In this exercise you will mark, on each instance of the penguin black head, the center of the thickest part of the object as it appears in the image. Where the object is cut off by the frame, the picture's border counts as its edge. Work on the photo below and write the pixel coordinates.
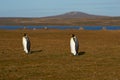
(25, 34)
(73, 35)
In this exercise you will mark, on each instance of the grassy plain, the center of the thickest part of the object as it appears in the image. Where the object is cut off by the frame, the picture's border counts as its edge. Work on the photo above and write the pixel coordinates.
(51, 59)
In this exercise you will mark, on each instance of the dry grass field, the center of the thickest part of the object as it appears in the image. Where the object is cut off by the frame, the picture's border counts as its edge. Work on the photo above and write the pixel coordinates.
(50, 57)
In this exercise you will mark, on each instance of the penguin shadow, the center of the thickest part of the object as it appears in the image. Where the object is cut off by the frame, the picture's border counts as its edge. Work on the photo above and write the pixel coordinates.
(36, 51)
(81, 53)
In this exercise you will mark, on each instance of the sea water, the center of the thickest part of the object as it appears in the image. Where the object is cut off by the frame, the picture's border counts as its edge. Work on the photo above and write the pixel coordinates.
(61, 27)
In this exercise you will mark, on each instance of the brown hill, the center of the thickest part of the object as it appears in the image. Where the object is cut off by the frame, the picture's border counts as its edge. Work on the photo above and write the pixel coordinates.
(76, 14)
(70, 18)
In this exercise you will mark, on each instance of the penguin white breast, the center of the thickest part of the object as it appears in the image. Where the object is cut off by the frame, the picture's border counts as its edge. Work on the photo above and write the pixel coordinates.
(72, 46)
(25, 44)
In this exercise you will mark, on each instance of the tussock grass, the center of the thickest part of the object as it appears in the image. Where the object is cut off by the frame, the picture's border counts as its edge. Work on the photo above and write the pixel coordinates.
(51, 58)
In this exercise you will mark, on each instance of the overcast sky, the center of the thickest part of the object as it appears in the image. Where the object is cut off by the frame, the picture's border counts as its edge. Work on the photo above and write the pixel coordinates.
(42, 8)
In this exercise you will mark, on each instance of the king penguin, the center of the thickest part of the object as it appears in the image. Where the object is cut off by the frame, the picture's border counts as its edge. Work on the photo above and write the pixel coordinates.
(74, 45)
(26, 43)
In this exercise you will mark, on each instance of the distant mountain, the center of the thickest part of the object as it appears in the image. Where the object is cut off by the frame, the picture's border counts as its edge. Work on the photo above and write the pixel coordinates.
(70, 18)
(76, 14)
